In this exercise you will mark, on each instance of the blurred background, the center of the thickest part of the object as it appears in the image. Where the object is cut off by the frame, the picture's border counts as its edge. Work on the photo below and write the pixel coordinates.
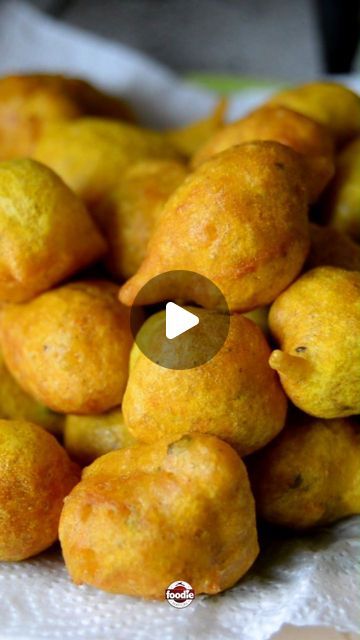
(276, 39)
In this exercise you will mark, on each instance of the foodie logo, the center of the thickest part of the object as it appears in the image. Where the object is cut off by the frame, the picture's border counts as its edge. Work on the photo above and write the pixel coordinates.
(180, 594)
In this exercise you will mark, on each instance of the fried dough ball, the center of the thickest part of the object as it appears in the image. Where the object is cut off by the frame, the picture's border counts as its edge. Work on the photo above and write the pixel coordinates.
(333, 105)
(88, 437)
(91, 154)
(187, 140)
(15, 404)
(29, 102)
(306, 136)
(260, 317)
(240, 220)
(310, 474)
(69, 347)
(142, 517)
(316, 322)
(128, 215)
(342, 200)
(35, 476)
(46, 232)
(331, 247)
(234, 396)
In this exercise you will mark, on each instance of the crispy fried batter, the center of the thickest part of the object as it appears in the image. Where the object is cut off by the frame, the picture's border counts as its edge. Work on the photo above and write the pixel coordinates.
(35, 476)
(234, 396)
(88, 437)
(142, 517)
(333, 105)
(316, 323)
(46, 232)
(91, 154)
(240, 220)
(310, 474)
(331, 247)
(28, 103)
(341, 202)
(309, 138)
(128, 216)
(69, 347)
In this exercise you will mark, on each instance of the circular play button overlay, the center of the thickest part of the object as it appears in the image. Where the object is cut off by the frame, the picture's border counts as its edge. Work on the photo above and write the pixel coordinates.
(177, 334)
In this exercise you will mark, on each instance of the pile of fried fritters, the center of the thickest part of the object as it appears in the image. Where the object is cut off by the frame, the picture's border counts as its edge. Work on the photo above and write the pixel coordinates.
(183, 462)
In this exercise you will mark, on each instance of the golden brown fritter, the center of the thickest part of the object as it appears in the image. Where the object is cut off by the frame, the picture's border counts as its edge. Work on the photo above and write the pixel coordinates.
(341, 203)
(260, 317)
(69, 348)
(333, 105)
(16, 404)
(88, 437)
(316, 323)
(331, 247)
(240, 220)
(310, 474)
(46, 232)
(35, 476)
(234, 396)
(28, 103)
(91, 154)
(129, 214)
(142, 517)
(309, 138)
(187, 140)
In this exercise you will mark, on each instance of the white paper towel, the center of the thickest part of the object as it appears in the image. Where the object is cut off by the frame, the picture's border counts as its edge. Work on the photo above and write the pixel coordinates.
(309, 580)
(313, 580)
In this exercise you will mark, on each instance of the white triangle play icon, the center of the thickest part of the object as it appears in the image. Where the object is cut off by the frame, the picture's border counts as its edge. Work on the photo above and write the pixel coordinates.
(178, 320)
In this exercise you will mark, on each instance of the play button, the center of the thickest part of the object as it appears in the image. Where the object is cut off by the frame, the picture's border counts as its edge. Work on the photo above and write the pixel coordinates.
(178, 320)
(175, 334)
